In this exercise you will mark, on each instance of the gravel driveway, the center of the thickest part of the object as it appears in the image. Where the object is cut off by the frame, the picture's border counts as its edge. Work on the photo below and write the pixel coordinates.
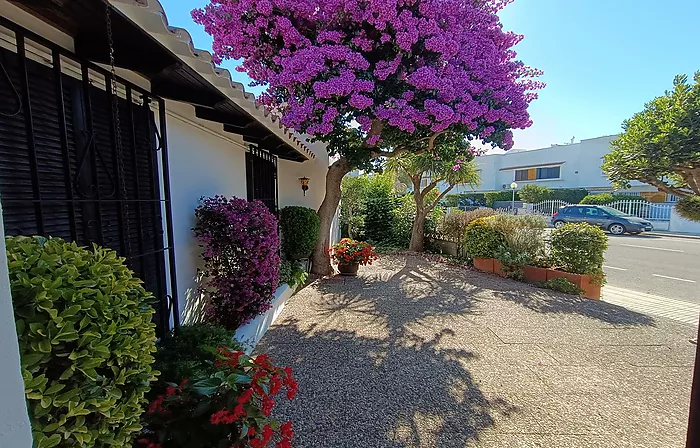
(418, 354)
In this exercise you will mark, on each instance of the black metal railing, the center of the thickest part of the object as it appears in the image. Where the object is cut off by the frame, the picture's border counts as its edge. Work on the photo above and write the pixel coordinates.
(81, 163)
(261, 177)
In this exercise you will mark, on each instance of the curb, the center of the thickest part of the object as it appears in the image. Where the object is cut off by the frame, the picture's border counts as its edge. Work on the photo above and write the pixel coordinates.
(674, 235)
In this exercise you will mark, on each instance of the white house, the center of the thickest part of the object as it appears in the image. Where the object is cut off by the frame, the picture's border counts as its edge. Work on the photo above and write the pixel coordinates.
(576, 165)
(127, 173)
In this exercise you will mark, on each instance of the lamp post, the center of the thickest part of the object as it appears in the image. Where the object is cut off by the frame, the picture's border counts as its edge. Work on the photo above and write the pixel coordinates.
(513, 186)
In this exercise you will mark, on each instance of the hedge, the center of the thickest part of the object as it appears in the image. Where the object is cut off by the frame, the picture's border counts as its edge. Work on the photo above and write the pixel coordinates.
(607, 198)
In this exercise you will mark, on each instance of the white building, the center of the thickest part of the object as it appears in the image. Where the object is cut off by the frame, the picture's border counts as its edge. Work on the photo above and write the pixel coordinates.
(185, 131)
(576, 165)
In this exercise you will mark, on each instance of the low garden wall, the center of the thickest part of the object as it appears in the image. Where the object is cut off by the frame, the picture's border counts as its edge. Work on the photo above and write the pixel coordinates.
(250, 334)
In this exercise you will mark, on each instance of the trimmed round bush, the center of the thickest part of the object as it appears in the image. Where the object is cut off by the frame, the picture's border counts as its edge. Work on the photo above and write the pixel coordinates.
(300, 227)
(579, 248)
(86, 340)
(481, 239)
(689, 207)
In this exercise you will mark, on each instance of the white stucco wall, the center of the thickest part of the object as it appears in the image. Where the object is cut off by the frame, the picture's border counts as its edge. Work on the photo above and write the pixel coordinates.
(289, 187)
(681, 225)
(580, 167)
(203, 162)
(15, 430)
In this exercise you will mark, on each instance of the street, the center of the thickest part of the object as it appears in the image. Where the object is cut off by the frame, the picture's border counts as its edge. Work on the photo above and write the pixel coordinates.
(659, 265)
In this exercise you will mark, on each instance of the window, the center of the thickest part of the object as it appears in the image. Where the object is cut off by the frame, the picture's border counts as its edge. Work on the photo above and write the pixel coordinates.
(592, 212)
(261, 177)
(538, 173)
(572, 211)
(62, 173)
(548, 173)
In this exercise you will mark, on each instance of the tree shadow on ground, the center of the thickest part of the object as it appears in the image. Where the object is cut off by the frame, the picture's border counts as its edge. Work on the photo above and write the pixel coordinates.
(370, 374)
(383, 360)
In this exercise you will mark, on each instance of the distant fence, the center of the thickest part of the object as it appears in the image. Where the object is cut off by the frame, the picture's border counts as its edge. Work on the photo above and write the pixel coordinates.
(548, 208)
(653, 211)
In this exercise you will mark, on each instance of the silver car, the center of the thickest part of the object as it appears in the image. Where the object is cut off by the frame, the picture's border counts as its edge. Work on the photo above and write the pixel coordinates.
(608, 218)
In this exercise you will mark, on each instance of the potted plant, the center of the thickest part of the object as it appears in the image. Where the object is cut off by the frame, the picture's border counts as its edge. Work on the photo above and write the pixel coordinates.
(350, 254)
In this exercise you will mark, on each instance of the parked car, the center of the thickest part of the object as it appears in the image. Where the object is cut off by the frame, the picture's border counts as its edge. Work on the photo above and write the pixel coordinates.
(608, 218)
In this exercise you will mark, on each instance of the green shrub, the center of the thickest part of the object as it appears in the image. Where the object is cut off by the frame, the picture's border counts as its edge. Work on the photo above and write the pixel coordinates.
(534, 193)
(481, 239)
(299, 227)
(505, 195)
(86, 340)
(191, 352)
(562, 284)
(513, 261)
(689, 207)
(292, 273)
(579, 248)
(379, 219)
(570, 195)
(465, 199)
(607, 198)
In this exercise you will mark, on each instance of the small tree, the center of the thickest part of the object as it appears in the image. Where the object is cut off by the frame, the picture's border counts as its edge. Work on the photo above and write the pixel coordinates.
(534, 193)
(376, 79)
(661, 145)
(449, 167)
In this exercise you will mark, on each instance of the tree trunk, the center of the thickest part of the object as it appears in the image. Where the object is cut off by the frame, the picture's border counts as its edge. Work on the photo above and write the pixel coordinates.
(418, 232)
(321, 260)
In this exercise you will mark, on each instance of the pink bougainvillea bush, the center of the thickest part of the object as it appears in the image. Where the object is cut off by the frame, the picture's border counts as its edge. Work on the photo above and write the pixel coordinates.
(400, 69)
(241, 258)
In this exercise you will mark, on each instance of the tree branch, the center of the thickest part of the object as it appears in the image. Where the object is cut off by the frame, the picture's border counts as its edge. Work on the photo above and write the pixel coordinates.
(691, 176)
(442, 195)
(431, 145)
(664, 186)
(432, 185)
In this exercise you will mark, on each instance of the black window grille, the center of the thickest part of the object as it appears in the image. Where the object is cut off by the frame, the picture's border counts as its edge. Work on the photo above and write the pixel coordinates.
(261, 177)
(63, 172)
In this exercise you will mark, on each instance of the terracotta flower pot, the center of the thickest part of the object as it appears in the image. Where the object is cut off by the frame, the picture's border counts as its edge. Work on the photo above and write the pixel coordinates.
(349, 269)
(498, 268)
(484, 264)
(583, 281)
(533, 274)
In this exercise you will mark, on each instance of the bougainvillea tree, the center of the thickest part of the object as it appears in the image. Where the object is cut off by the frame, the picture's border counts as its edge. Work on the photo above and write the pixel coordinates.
(377, 78)
(241, 258)
(448, 167)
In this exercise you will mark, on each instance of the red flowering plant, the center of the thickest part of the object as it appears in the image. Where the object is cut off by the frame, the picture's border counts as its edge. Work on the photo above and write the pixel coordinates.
(348, 251)
(231, 408)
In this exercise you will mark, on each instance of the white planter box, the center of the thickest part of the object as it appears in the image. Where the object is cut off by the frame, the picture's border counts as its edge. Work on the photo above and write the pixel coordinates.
(250, 334)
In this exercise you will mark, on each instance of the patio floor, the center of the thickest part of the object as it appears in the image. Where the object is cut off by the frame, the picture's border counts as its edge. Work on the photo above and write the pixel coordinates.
(417, 354)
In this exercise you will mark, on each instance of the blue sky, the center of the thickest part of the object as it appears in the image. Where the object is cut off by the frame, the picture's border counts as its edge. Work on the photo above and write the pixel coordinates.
(603, 59)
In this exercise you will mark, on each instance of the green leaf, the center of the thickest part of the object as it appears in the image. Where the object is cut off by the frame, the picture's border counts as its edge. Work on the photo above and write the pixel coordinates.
(45, 346)
(48, 442)
(31, 359)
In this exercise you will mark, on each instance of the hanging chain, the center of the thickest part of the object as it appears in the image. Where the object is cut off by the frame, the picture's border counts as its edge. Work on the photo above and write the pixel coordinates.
(118, 128)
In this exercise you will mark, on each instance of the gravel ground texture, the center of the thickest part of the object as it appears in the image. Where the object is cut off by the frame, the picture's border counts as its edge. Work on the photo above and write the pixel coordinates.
(413, 353)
